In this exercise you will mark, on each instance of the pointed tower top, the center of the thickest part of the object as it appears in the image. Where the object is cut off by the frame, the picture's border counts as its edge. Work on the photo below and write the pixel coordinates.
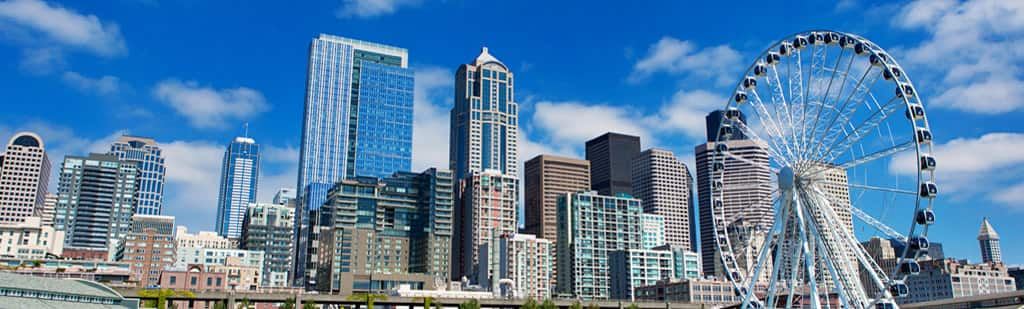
(485, 57)
(987, 232)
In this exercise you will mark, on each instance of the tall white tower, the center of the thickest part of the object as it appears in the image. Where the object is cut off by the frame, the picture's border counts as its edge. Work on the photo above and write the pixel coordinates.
(24, 175)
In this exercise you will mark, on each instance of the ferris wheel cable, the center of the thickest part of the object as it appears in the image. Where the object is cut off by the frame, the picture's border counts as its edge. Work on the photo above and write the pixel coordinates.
(750, 162)
(846, 102)
(828, 89)
(859, 132)
(773, 152)
(776, 137)
(782, 100)
(878, 225)
(875, 272)
(879, 154)
(803, 98)
(841, 289)
(865, 93)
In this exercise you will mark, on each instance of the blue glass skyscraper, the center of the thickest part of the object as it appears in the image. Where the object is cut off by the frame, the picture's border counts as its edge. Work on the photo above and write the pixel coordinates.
(357, 122)
(239, 177)
(150, 161)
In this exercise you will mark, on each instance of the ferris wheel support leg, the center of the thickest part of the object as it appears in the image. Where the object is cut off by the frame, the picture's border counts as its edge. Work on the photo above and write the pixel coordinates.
(808, 258)
(769, 240)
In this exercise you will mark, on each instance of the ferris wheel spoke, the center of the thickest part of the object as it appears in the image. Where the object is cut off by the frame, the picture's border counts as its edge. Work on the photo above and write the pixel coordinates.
(772, 125)
(772, 149)
(882, 189)
(842, 111)
(840, 146)
(828, 90)
(749, 162)
(778, 94)
(770, 241)
(887, 152)
(878, 225)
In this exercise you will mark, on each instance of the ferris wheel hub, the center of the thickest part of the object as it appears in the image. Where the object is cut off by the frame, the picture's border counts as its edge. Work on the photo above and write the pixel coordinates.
(786, 178)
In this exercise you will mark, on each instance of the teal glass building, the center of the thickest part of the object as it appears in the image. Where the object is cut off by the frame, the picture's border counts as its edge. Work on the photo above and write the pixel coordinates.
(239, 181)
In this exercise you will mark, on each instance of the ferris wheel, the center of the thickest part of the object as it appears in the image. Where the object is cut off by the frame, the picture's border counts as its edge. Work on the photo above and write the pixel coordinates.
(824, 127)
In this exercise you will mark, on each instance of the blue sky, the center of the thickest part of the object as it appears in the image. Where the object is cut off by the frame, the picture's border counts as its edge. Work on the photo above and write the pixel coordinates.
(190, 73)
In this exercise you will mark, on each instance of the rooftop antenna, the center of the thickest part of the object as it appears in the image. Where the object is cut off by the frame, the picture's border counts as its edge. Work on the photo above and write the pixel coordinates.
(246, 126)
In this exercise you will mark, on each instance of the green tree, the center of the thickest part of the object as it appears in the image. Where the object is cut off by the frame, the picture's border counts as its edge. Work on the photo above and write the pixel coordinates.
(428, 303)
(576, 305)
(367, 298)
(633, 306)
(245, 303)
(289, 303)
(548, 304)
(220, 305)
(309, 305)
(158, 298)
(529, 304)
(470, 304)
(593, 306)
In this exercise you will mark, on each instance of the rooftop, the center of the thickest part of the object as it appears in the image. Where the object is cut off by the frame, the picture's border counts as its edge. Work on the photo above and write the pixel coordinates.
(987, 232)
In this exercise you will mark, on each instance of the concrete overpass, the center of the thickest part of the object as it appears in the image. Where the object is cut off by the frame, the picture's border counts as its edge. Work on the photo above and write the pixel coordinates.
(400, 302)
(1013, 299)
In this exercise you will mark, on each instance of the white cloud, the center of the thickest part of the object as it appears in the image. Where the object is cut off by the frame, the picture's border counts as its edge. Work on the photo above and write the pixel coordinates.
(105, 85)
(207, 107)
(1011, 196)
(193, 182)
(65, 26)
(372, 8)
(271, 153)
(576, 122)
(686, 111)
(673, 56)
(974, 50)
(968, 166)
(61, 141)
(430, 117)
(41, 61)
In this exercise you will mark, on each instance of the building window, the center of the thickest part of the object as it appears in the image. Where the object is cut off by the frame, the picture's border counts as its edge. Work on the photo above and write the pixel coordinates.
(174, 279)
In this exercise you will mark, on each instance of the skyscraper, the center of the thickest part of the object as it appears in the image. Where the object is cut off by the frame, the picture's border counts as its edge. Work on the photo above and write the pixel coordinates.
(713, 122)
(988, 240)
(149, 159)
(485, 119)
(24, 175)
(483, 157)
(97, 195)
(663, 183)
(746, 191)
(284, 196)
(546, 178)
(239, 179)
(611, 158)
(357, 121)
(49, 209)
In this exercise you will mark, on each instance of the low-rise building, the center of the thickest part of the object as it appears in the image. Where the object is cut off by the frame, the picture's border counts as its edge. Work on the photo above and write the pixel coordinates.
(21, 291)
(109, 273)
(240, 277)
(194, 277)
(710, 292)
(637, 267)
(951, 278)
(30, 239)
(203, 239)
(1017, 273)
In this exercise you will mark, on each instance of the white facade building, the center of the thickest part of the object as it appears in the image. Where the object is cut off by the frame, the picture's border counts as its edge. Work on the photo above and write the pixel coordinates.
(489, 209)
(210, 256)
(519, 266)
(203, 239)
(24, 175)
(30, 240)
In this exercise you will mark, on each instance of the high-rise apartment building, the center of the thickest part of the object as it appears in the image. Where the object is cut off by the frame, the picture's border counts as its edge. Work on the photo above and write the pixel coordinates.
(485, 119)
(149, 159)
(713, 124)
(546, 178)
(522, 258)
(590, 227)
(664, 185)
(685, 264)
(148, 247)
(24, 175)
(239, 180)
(357, 122)
(379, 232)
(988, 240)
(746, 193)
(488, 208)
(269, 228)
(611, 161)
(97, 197)
(652, 231)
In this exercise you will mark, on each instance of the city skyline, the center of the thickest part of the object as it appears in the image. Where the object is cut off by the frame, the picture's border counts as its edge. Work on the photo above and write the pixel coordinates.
(273, 111)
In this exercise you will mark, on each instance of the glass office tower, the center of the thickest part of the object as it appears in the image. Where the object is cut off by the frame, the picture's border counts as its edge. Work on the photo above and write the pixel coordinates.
(239, 178)
(149, 158)
(357, 121)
